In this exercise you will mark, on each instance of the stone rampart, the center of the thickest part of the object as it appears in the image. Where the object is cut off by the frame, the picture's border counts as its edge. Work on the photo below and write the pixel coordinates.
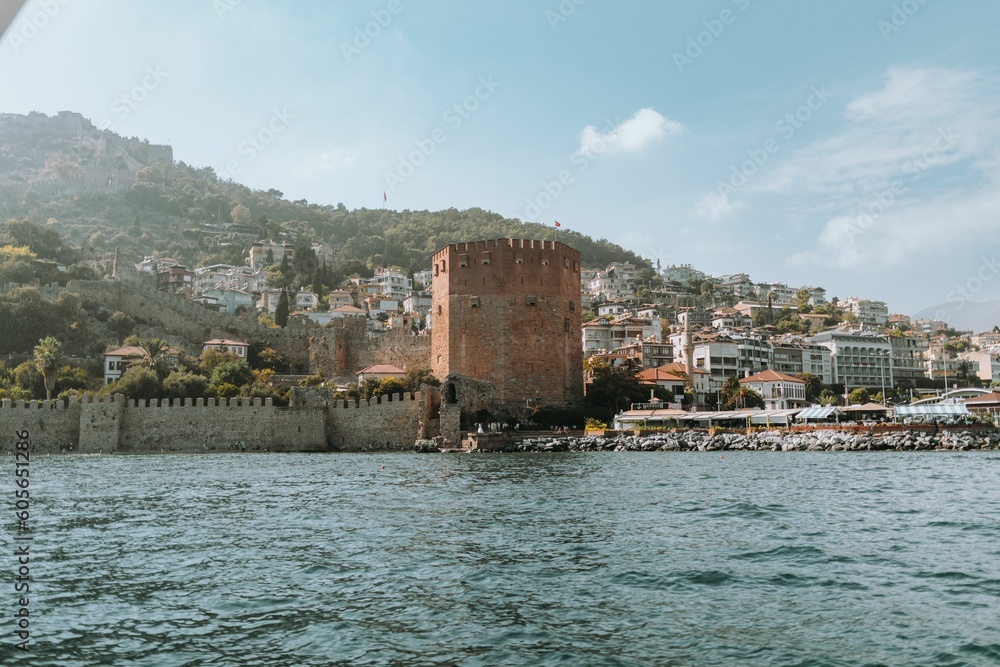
(115, 425)
(385, 423)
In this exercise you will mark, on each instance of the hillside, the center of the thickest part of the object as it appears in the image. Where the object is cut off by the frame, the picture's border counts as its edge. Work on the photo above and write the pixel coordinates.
(102, 191)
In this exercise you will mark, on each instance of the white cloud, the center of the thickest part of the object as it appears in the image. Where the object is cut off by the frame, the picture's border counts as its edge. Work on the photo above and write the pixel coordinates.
(715, 206)
(630, 136)
(331, 160)
(887, 132)
(912, 174)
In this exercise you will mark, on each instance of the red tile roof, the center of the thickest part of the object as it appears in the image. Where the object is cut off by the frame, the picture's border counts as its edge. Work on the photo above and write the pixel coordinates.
(771, 376)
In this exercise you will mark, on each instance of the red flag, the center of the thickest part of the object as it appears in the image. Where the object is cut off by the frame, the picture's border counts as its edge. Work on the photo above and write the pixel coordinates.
(384, 198)
(557, 224)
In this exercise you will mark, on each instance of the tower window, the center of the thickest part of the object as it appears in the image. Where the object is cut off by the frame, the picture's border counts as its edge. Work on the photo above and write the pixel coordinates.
(474, 301)
(545, 259)
(486, 258)
(519, 258)
(463, 260)
(530, 300)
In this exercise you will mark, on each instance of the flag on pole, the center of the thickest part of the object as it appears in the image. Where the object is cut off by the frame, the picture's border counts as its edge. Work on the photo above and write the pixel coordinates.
(384, 198)
(557, 224)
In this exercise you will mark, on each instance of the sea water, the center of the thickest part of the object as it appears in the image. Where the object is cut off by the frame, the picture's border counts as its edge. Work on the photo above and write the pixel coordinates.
(545, 559)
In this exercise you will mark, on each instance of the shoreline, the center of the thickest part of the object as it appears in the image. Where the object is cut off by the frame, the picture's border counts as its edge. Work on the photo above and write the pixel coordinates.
(820, 440)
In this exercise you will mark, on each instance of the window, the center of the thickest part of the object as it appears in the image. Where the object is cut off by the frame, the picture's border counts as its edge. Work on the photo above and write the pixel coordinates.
(474, 302)
(572, 306)
(565, 262)
(545, 259)
(519, 258)
(435, 269)
(486, 258)
(463, 260)
(439, 310)
(566, 324)
(530, 300)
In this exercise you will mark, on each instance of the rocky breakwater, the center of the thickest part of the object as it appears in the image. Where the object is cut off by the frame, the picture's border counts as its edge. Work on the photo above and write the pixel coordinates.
(769, 441)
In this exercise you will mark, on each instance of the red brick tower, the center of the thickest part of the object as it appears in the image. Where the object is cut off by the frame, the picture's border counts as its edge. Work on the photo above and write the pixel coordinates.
(508, 312)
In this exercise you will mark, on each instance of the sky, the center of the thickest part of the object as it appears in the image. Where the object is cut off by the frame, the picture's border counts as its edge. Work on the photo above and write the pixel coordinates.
(853, 145)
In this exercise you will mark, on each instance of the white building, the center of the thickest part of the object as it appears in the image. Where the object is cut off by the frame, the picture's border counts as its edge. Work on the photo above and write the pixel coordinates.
(681, 273)
(988, 364)
(780, 391)
(872, 313)
(607, 335)
(225, 300)
(258, 254)
(859, 359)
(237, 347)
(391, 282)
(117, 361)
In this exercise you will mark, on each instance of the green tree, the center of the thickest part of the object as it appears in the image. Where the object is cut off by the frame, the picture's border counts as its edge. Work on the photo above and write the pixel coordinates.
(734, 396)
(615, 388)
(72, 378)
(802, 296)
(185, 385)
(281, 312)
(858, 396)
(236, 373)
(389, 386)
(48, 359)
(137, 383)
(418, 375)
(814, 385)
(240, 214)
(829, 397)
(121, 325)
(153, 356)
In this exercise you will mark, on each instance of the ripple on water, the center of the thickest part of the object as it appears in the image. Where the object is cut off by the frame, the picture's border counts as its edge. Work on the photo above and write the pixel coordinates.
(584, 559)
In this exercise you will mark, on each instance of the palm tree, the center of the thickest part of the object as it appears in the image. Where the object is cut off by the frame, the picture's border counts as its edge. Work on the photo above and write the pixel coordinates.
(48, 357)
(153, 356)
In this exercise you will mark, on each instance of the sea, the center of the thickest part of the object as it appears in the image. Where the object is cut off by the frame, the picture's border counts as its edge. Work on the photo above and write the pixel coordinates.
(734, 558)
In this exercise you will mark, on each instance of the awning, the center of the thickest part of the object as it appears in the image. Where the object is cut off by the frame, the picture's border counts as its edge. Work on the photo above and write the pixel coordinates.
(773, 416)
(819, 412)
(638, 416)
(867, 407)
(939, 410)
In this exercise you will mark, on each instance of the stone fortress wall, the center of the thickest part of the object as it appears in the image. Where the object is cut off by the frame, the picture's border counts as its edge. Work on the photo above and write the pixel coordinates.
(311, 423)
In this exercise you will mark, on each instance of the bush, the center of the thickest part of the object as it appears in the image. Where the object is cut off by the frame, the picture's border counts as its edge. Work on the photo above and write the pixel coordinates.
(136, 383)
(185, 385)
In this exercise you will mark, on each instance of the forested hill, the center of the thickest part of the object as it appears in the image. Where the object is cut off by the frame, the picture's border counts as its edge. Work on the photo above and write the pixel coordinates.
(101, 191)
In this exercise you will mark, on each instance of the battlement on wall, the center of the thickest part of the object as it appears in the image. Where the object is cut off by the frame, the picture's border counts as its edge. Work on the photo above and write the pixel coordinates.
(376, 401)
(242, 402)
(530, 245)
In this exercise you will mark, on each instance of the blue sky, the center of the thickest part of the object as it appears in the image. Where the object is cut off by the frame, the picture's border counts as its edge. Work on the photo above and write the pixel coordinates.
(852, 145)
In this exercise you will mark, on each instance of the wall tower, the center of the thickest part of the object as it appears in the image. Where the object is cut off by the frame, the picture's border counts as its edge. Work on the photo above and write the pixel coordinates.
(507, 311)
